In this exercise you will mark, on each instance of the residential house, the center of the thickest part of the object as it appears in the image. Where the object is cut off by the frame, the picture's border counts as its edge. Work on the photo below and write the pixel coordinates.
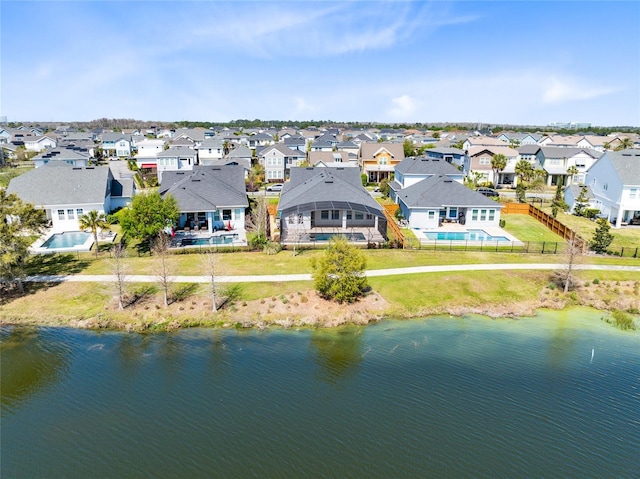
(333, 159)
(454, 156)
(414, 169)
(39, 143)
(477, 141)
(148, 150)
(241, 155)
(176, 158)
(296, 143)
(322, 200)
(614, 180)
(557, 160)
(73, 156)
(209, 197)
(196, 135)
(479, 164)
(66, 192)
(211, 150)
(519, 139)
(349, 147)
(278, 160)
(378, 160)
(116, 144)
(438, 198)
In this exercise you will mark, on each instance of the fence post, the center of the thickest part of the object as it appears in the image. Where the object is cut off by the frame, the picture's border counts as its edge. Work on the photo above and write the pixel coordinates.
(622, 252)
(543, 243)
(556, 250)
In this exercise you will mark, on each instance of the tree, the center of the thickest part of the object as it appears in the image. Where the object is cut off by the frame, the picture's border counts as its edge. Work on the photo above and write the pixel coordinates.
(385, 189)
(573, 254)
(19, 221)
(528, 178)
(149, 214)
(256, 222)
(581, 202)
(119, 270)
(339, 273)
(498, 163)
(160, 247)
(602, 236)
(93, 221)
(210, 266)
(226, 147)
(558, 202)
(571, 171)
(409, 148)
(624, 144)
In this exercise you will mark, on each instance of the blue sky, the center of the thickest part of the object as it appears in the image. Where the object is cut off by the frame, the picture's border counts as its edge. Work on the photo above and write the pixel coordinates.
(396, 61)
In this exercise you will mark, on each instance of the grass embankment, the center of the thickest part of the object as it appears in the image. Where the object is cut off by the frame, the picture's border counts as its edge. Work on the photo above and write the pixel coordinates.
(494, 293)
(527, 228)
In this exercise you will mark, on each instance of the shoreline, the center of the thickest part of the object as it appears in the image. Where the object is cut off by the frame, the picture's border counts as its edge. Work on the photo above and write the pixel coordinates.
(312, 312)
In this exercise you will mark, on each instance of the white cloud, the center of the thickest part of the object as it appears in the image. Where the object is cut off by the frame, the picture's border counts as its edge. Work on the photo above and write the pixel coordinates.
(404, 108)
(562, 90)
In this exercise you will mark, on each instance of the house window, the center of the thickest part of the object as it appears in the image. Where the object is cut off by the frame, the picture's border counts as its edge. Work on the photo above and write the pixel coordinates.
(216, 216)
(633, 193)
(485, 161)
(349, 215)
(492, 215)
(79, 212)
(60, 214)
(369, 216)
(453, 212)
(70, 213)
(359, 216)
(383, 160)
(483, 215)
(324, 214)
(431, 215)
(226, 215)
(474, 215)
(300, 218)
(605, 187)
(335, 214)
(237, 213)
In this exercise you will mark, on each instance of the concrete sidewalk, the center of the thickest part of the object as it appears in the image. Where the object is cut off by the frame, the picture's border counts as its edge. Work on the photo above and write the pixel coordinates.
(276, 278)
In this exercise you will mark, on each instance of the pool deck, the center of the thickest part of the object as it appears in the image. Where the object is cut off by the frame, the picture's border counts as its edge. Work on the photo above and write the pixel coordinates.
(371, 235)
(37, 248)
(240, 240)
(458, 228)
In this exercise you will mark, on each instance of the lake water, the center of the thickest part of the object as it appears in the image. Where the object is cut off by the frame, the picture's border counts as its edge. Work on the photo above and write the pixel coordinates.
(557, 395)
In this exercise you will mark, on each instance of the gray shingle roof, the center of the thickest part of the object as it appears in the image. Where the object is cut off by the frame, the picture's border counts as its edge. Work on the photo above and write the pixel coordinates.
(422, 165)
(627, 165)
(62, 184)
(439, 191)
(178, 152)
(562, 152)
(311, 189)
(206, 188)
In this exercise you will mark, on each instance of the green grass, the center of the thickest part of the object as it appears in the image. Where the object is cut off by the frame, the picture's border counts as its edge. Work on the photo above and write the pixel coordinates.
(623, 237)
(527, 228)
(7, 174)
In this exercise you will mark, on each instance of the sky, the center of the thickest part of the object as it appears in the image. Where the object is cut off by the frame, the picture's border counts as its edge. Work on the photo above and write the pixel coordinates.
(500, 62)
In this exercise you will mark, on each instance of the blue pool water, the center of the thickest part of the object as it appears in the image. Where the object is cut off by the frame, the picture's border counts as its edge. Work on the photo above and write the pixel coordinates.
(328, 236)
(470, 235)
(213, 240)
(66, 240)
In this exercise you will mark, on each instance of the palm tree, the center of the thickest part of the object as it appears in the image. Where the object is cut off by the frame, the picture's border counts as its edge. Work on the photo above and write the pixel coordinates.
(624, 144)
(92, 221)
(571, 171)
(498, 163)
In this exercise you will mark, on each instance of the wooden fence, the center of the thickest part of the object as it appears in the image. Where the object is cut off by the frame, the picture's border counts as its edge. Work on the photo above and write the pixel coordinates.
(546, 219)
(389, 213)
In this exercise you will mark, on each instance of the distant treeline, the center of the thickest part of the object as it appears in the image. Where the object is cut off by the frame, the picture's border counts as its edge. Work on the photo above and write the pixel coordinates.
(128, 123)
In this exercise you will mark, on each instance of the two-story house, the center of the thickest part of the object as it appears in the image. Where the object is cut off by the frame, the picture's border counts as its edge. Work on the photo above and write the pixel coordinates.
(378, 160)
(278, 160)
(176, 158)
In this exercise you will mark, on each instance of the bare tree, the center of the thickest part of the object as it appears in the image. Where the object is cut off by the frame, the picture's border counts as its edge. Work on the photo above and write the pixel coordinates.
(119, 268)
(209, 265)
(258, 219)
(160, 248)
(574, 251)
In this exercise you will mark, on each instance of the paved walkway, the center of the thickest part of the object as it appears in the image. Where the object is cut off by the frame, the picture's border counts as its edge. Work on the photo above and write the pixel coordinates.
(88, 278)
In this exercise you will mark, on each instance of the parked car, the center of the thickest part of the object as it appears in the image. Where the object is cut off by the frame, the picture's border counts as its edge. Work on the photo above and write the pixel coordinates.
(275, 187)
(488, 192)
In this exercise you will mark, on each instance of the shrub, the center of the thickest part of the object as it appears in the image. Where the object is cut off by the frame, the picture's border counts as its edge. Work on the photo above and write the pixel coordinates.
(621, 320)
(502, 223)
(596, 281)
(272, 247)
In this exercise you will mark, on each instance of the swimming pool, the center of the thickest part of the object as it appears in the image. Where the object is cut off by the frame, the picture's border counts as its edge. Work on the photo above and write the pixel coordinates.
(328, 236)
(212, 240)
(69, 239)
(470, 235)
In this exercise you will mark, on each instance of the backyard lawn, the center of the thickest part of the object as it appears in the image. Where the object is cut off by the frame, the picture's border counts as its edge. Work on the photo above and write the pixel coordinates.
(527, 228)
